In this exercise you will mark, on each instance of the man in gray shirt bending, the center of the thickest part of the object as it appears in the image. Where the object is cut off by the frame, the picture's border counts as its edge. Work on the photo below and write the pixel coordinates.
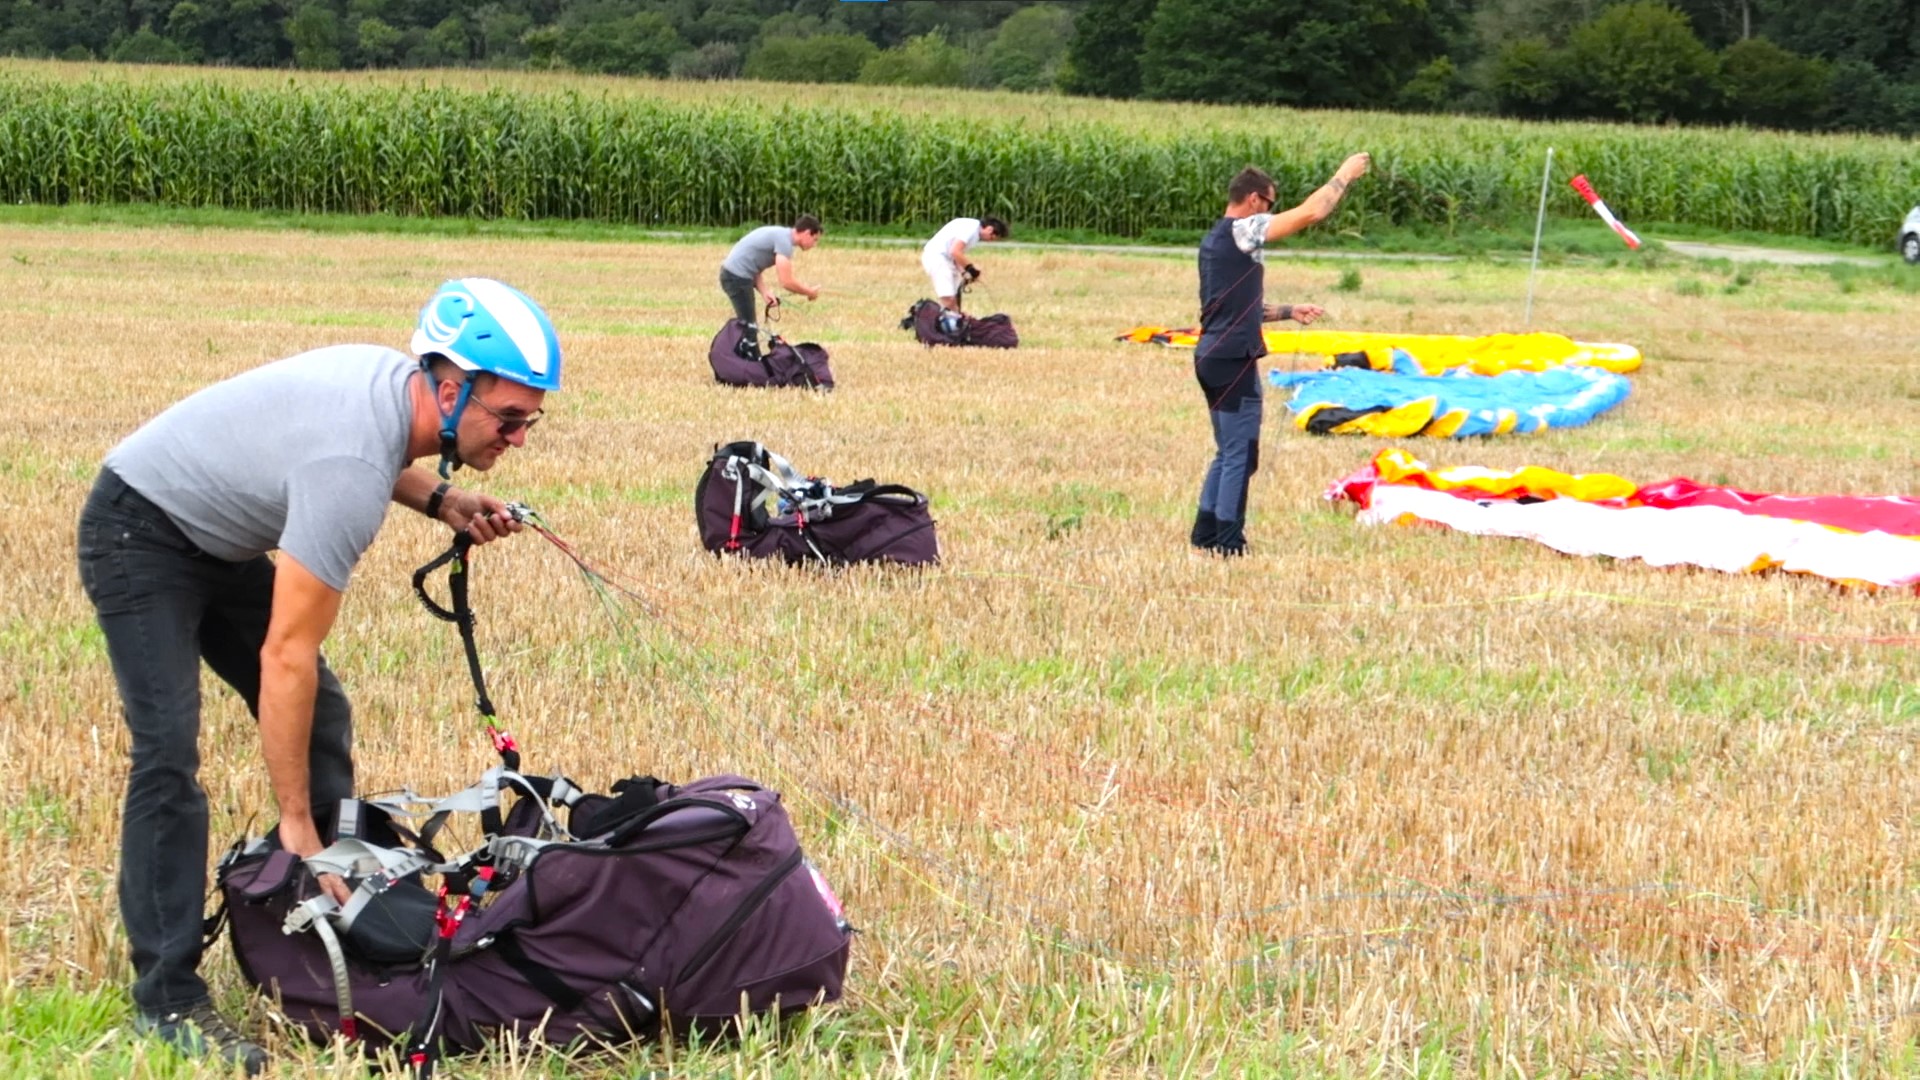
(301, 456)
(767, 247)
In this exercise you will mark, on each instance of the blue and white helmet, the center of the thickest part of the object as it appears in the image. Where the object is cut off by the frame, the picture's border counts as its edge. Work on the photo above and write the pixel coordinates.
(484, 325)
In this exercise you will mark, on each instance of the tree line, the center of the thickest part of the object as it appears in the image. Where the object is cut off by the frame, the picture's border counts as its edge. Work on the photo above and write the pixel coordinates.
(1833, 65)
(1850, 65)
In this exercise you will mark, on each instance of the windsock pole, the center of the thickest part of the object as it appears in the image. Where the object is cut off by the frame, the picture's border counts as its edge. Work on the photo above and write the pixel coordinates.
(1586, 191)
(1539, 223)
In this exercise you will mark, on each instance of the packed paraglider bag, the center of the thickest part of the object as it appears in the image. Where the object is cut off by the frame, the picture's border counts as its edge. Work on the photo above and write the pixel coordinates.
(583, 918)
(753, 502)
(934, 325)
(736, 362)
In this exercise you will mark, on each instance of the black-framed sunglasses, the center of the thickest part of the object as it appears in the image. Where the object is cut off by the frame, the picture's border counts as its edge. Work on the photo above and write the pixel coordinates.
(509, 424)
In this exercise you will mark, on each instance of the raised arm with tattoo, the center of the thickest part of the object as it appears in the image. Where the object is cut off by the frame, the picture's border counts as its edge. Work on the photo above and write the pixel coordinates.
(1320, 205)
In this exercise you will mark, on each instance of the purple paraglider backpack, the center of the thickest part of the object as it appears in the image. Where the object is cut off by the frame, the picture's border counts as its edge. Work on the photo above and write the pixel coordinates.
(585, 917)
(934, 325)
(736, 362)
(754, 503)
(579, 917)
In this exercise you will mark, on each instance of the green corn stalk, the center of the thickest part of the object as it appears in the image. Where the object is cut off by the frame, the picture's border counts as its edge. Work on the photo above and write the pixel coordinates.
(888, 159)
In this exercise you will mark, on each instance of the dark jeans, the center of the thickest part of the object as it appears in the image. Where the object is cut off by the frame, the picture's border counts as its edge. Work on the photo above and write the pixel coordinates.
(1235, 408)
(164, 606)
(744, 297)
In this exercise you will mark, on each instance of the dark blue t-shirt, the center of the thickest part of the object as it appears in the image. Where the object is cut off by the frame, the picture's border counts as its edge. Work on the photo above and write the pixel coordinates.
(1232, 288)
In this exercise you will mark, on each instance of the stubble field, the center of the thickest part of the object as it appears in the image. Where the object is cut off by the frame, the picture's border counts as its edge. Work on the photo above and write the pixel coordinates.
(1367, 802)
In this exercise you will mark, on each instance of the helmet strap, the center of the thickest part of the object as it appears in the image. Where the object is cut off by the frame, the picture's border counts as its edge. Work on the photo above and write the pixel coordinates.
(449, 429)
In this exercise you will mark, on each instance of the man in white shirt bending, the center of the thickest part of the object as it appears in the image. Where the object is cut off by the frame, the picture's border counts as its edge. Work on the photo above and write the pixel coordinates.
(946, 258)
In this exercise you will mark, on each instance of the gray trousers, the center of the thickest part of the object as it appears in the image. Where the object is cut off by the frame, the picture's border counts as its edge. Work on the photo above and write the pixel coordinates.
(744, 296)
(165, 606)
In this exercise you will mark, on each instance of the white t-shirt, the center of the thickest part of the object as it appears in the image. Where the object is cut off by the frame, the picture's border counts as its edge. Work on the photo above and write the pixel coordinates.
(964, 229)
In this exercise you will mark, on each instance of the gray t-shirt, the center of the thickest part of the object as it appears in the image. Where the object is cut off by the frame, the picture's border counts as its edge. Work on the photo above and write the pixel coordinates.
(300, 454)
(755, 251)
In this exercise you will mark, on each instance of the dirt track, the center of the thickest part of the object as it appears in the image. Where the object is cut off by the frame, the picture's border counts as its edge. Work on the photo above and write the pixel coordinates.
(1780, 256)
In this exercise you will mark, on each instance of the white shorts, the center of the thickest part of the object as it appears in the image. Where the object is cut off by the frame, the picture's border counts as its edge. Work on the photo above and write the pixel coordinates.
(946, 276)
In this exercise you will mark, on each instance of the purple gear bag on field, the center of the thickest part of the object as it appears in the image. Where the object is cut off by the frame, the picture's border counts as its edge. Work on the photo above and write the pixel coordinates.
(991, 331)
(663, 906)
(782, 364)
(752, 502)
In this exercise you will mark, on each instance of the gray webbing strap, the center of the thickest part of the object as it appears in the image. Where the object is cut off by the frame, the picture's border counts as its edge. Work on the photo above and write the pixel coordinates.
(484, 797)
(369, 888)
(780, 481)
(565, 793)
(355, 858)
(515, 852)
(347, 821)
(316, 915)
(342, 985)
(525, 787)
(732, 472)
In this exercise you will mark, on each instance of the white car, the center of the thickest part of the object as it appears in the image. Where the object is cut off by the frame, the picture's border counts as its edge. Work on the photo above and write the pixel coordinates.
(1910, 236)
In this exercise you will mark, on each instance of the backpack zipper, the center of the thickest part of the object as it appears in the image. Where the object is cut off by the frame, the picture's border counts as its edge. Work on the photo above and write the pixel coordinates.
(740, 914)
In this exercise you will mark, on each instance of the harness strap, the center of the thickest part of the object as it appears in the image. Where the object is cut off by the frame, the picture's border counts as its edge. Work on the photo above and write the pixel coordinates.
(637, 824)
(483, 798)
(317, 915)
(739, 496)
(455, 558)
(785, 488)
(355, 858)
(511, 854)
(538, 975)
(342, 985)
(357, 904)
(211, 925)
(800, 526)
(424, 1050)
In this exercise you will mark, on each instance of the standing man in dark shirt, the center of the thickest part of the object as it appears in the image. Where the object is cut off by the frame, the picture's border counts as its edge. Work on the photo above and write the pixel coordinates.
(1227, 361)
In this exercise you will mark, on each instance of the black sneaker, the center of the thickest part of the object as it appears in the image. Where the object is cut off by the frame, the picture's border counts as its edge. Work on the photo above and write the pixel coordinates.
(200, 1031)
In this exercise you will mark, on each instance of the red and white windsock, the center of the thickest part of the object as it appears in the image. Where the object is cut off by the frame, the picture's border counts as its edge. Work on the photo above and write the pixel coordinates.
(1586, 191)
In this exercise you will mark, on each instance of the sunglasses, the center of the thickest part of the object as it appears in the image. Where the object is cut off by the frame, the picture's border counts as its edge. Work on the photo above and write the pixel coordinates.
(509, 424)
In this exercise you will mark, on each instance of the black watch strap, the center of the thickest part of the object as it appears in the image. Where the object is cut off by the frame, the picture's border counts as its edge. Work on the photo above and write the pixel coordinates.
(439, 496)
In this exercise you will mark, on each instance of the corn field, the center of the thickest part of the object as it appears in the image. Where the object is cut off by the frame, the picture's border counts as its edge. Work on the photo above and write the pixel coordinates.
(547, 149)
